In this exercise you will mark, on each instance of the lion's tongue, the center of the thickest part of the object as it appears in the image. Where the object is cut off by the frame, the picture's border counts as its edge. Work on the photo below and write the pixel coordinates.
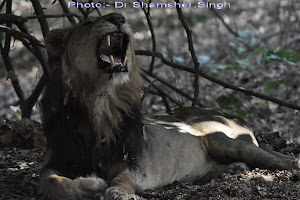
(113, 60)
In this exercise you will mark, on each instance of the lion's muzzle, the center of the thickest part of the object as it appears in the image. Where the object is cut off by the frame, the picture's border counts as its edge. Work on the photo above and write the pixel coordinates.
(111, 52)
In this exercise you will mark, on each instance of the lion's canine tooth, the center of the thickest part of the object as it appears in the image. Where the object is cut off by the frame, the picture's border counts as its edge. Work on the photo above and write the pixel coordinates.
(108, 40)
(112, 60)
(124, 61)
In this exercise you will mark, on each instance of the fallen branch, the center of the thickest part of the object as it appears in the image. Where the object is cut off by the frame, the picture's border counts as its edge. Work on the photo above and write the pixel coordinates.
(219, 82)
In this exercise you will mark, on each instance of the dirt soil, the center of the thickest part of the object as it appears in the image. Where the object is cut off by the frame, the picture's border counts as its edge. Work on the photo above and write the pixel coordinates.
(23, 147)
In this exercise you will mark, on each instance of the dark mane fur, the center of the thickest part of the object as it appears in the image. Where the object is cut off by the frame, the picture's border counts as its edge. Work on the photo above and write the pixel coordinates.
(72, 139)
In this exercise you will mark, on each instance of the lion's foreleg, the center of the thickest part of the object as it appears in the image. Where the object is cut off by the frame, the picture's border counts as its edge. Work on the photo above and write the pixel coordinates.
(57, 187)
(226, 149)
(122, 187)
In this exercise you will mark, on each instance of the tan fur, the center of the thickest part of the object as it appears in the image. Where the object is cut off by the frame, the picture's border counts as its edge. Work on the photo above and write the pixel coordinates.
(104, 99)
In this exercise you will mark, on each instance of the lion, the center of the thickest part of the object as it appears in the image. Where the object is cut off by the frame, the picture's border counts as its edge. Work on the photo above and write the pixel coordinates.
(98, 142)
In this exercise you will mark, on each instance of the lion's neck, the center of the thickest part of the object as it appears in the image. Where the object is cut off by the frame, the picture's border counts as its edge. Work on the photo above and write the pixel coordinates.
(108, 106)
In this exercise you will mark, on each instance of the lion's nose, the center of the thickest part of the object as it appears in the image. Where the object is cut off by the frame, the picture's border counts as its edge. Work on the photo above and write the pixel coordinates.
(115, 18)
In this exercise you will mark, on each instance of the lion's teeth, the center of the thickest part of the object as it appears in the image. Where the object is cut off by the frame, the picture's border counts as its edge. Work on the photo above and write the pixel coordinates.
(112, 61)
(124, 61)
(108, 40)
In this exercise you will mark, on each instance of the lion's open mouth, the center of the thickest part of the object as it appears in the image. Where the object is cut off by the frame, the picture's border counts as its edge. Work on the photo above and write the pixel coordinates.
(111, 52)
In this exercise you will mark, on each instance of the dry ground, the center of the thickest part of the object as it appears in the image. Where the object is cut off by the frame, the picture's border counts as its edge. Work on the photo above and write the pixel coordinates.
(21, 162)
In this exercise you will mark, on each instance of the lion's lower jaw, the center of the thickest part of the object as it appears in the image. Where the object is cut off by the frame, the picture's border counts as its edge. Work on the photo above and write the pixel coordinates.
(120, 78)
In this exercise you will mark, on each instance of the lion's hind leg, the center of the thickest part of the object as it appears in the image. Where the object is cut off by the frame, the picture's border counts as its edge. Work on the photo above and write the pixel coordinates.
(57, 187)
(226, 150)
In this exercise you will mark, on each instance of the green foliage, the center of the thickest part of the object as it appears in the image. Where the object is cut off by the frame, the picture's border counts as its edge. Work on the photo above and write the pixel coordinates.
(18, 111)
(282, 55)
(273, 85)
(226, 101)
(244, 62)
(265, 105)
(256, 51)
(185, 106)
(240, 113)
(228, 67)
(270, 87)
(193, 20)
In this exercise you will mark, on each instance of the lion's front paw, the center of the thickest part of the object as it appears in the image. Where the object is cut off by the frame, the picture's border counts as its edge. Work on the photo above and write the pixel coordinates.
(115, 193)
(62, 188)
(91, 184)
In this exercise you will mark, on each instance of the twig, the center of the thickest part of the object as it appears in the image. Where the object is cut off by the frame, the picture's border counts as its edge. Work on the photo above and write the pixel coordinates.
(2, 4)
(5, 18)
(146, 90)
(39, 12)
(66, 10)
(36, 45)
(224, 23)
(162, 92)
(219, 82)
(236, 34)
(172, 87)
(147, 14)
(165, 100)
(193, 54)
(83, 12)
(20, 35)
(54, 16)
(5, 56)
(31, 100)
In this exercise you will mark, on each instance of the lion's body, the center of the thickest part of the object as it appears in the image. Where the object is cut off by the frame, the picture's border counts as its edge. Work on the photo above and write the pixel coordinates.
(97, 137)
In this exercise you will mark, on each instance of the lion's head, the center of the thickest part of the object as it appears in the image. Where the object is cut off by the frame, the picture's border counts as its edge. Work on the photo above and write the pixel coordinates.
(99, 68)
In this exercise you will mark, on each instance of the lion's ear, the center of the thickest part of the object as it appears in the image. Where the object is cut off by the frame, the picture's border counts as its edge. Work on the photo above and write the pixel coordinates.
(56, 41)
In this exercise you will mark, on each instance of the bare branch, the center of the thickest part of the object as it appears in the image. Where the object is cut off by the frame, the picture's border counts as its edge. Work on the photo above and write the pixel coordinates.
(31, 100)
(5, 18)
(148, 16)
(236, 34)
(193, 54)
(5, 56)
(172, 87)
(165, 100)
(66, 10)
(2, 4)
(20, 35)
(219, 82)
(55, 16)
(162, 92)
(39, 12)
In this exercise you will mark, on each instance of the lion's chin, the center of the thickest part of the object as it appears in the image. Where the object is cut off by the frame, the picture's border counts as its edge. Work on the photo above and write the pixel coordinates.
(111, 52)
(120, 78)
